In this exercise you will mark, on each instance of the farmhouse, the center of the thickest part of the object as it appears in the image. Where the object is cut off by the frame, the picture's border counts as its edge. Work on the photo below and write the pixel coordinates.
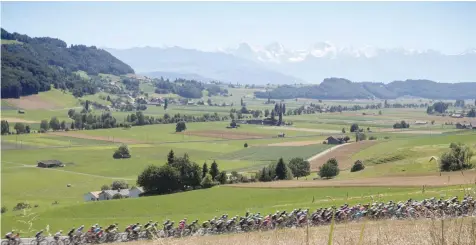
(331, 140)
(49, 164)
(421, 122)
(134, 192)
(465, 125)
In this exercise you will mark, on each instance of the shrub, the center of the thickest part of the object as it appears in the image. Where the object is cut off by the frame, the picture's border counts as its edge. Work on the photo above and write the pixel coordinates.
(221, 178)
(329, 169)
(401, 124)
(104, 187)
(4, 209)
(180, 127)
(386, 137)
(360, 136)
(458, 158)
(21, 206)
(117, 196)
(122, 152)
(372, 138)
(354, 128)
(358, 165)
(299, 167)
(246, 145)
(207, 181)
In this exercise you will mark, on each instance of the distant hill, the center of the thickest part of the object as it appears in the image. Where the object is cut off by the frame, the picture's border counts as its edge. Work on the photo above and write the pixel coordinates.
(212, 65)
(31, 65)
(340, 88)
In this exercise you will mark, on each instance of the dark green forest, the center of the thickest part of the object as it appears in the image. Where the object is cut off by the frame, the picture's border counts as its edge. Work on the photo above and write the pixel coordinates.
(340, 88)
(32, 64)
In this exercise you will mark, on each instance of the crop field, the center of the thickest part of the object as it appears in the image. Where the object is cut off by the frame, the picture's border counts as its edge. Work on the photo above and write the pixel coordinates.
(396, 163)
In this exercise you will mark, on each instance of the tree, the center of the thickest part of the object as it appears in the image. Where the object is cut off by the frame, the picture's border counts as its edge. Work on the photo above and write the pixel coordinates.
(190, 173)
(180, 126)
(358, 165)
(266, 113)
(119, 184)
(354, 128)
(359, 136)
(222, 178)
(458, 158)
(209, 101)
(5, 127)
(44, 125)
(19, 127)
(63, 125)
(299, 167)
(343, 130)
(329, 169)
(204, 170)
(380, 113)
(245, 145)
(263, 175)
(4, 209)
(214, 170)
(346, 138)
(471, 113)
(440, 107)
(71, 113)
(27, 129)
(104, 187)
(122, 152)
(55, 124)
(281, 169)
(272, 115)
(241, 102)
(117, 196)
(233, 124)
(86, 105)
(207, 181)
(166, 104)
(160, 180)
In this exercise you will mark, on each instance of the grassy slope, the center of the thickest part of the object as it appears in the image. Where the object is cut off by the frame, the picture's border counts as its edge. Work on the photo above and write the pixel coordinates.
(219, 200)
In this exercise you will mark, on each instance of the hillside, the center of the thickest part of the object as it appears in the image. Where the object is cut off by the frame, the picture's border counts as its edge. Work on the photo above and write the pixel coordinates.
(212, 65)
(31, 65)
(339, 88)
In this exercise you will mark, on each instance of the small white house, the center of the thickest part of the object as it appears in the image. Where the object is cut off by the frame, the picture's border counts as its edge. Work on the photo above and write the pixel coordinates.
(134, 192)
(91, 196)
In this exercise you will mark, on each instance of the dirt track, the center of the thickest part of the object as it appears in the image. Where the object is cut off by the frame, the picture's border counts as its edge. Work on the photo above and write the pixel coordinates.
(453, 178)
(324, 131)
(230, 134)
(342, 153)
(92, 137)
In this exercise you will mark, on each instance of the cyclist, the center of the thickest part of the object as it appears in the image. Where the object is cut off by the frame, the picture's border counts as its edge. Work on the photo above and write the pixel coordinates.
(39, 237)
(57, 235)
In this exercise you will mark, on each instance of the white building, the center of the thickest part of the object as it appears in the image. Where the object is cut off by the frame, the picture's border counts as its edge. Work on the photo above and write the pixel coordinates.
(134, 192)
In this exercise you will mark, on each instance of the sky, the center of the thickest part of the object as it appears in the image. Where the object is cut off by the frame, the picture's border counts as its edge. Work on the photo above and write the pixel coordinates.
(448, 27)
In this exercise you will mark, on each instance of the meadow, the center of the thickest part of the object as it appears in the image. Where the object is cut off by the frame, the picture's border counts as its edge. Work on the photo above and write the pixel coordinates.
(87, 155)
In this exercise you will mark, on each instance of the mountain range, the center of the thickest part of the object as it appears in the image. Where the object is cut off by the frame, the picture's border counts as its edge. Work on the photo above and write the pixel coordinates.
(276, 64)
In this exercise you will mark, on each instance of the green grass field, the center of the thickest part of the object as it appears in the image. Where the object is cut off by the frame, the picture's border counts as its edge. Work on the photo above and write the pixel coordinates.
(89, 162)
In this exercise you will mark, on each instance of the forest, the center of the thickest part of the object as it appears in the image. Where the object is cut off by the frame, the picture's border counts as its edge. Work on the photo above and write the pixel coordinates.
(32, 65)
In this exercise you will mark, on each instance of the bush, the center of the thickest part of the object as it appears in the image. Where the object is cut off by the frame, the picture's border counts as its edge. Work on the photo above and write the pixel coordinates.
(358, 165)
(329, 169)
(360, 136)
(117, 196)
(207, 181)
(246, 145)
(458, 158)
(299, 167)
(221, 178)
(401, 124)
(372, 138)
(4, 209)
(21, 206)
(180, 127)
(122, 152)
(105, 187)
(354, 128)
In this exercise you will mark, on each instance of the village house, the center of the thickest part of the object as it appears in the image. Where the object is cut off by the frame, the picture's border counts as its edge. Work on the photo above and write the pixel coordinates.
(133, 192)
(456, 115)
(331, 140)
(466, 125)
(49, 164)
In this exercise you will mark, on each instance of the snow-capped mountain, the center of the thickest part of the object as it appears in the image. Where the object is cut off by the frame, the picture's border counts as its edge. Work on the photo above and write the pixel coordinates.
(324, 59)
